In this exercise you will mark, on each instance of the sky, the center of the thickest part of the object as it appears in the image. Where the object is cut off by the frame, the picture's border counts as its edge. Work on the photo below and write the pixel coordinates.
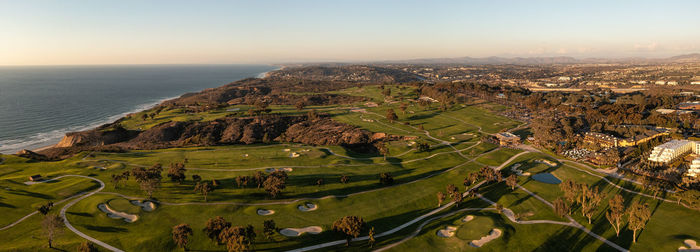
(84, 32)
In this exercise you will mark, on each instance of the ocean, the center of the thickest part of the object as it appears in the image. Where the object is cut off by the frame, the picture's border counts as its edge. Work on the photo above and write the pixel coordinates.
(39, 104)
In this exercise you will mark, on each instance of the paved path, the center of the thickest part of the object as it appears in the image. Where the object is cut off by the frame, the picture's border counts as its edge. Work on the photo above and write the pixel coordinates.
(55, 203)
(76, 231)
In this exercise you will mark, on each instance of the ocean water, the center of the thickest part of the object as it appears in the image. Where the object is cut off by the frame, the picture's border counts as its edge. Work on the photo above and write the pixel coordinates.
(39, 104)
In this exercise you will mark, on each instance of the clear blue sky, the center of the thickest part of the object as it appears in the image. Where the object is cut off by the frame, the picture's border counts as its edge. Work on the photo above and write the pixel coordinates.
(153, 32)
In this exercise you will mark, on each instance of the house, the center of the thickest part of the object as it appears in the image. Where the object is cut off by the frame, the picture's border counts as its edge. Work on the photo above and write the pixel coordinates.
(672, 83)
(601, 139)
(695, 83)
(507, 138)
(35, 178)
(660, 83)
(665, 111)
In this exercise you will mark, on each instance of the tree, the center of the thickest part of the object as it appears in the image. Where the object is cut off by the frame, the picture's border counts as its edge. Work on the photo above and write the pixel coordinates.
(457, 197)
(440, 197)
(196, 178)
(259, 177)
(594, 198)
(616, 210)
(52, 226)
(473, 177)
(176, 173)
(512, 181)
(261, 105)
(319, 182)
(351, 226)
(638, 216)
(383, 148)
(300, 105)
(451, 188)
(87, 246)
(344, 179)
(371, 239)
(269, 228)
(390, 115)
(570, 189)
(237, 238)
(44, 209)
(386, 179)
(148, 179)
(403, 107)
(214, 228)
(203, 188)
(561, 208)
(181, 235)
(423, 146)
(274, 185)
(118, 179)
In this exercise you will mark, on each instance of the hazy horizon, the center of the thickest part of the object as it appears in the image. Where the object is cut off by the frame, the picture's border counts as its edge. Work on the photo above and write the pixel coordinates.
(73, 32)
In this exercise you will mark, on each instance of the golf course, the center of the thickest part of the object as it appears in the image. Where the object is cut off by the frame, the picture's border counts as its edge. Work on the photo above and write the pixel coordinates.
(430, 148)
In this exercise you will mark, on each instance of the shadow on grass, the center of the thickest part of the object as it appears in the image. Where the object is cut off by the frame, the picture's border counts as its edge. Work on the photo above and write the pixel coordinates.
(106, 229)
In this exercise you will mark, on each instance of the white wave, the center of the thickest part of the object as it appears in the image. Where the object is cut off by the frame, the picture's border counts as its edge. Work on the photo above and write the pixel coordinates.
(43, 139)
(263, 74)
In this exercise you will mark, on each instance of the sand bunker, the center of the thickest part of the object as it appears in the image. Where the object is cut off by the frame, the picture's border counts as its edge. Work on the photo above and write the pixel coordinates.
(307, 207)
(690, 246)
(294, 232)
(495, 233)
(517, 171)
(294, 154)
(145, 205)
(547, 162)
(287, 150)
(116, 214)
(265, 212)
(468, 218)
(446, 232)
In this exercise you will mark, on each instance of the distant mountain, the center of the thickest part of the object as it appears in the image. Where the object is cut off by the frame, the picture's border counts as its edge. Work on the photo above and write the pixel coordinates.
(687, 58)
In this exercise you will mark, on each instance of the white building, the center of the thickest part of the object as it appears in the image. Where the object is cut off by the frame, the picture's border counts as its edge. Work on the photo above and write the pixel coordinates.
(694, 170)
(660, 83)
(672, 83)
(564, 78)
(695, 83)
(673, 149)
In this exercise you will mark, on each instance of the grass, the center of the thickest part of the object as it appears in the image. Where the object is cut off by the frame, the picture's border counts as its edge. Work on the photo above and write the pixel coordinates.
(418, 177)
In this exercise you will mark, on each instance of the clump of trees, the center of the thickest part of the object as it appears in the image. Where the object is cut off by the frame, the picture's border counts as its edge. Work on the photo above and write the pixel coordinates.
(148, 179)
(181, 235)
(512, 181)
(269, 228)
(176, 173)
(214, 227)
(275, 183)
(350, 226)
(385, 178)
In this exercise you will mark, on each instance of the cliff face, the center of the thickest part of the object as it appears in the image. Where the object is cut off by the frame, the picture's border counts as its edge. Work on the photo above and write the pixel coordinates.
(97, 137)
(230, 130)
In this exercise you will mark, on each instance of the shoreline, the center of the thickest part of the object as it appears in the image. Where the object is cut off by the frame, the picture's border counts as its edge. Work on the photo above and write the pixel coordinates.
(41, 145)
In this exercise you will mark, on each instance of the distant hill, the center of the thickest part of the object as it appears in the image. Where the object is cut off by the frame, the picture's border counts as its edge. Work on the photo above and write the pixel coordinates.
(687, 58)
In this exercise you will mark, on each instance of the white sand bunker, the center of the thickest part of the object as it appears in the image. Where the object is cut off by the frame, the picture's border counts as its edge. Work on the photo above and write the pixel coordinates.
(307, 207)
(287, 150)
(116, 214)
(294, 232)
(690, 246)
(265, 212)
(294, 154)
(145, 205)
(517, 171)
(468, 218)
(495, 233)
(446, 232)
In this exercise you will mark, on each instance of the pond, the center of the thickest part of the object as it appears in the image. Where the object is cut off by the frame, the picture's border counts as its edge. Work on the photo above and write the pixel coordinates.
(546, 177)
